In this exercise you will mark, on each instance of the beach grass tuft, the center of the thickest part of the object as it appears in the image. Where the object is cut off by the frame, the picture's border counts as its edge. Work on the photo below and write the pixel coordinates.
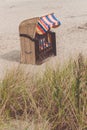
(57, 100)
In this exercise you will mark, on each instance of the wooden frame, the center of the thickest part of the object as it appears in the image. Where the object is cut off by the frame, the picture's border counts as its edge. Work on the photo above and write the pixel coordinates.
(30, 43)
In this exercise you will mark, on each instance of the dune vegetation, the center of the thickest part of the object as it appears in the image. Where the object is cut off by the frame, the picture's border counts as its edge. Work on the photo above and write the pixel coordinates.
(56, 100)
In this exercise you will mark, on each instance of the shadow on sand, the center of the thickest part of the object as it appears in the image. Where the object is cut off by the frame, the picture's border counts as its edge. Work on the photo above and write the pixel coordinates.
(12, 56)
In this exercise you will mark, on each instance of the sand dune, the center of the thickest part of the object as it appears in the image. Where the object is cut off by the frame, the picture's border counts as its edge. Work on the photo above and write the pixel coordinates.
(71, 35)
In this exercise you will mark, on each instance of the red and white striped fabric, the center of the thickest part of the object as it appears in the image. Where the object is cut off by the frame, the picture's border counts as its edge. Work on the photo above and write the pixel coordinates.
(46, 22)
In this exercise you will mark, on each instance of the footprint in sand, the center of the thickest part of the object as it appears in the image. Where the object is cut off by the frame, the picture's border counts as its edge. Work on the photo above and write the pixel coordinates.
(84, 26)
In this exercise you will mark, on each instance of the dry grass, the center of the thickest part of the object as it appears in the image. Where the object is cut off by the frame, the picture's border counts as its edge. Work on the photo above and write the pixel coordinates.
(55, 101)
(24, 125)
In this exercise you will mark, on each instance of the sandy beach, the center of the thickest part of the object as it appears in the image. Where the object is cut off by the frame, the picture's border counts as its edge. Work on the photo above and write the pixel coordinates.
(71, 36)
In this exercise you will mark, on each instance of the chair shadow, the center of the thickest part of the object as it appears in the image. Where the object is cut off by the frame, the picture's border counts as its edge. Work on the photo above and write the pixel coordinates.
(12, 56)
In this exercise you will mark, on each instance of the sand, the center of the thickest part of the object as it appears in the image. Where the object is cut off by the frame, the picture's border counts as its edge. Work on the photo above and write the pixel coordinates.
(71, 35)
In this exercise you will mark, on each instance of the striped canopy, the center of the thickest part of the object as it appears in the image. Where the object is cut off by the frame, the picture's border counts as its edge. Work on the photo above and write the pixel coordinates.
(46, 22)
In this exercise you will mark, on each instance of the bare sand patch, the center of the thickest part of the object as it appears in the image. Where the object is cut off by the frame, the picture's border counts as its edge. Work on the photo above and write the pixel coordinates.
(71, 35)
